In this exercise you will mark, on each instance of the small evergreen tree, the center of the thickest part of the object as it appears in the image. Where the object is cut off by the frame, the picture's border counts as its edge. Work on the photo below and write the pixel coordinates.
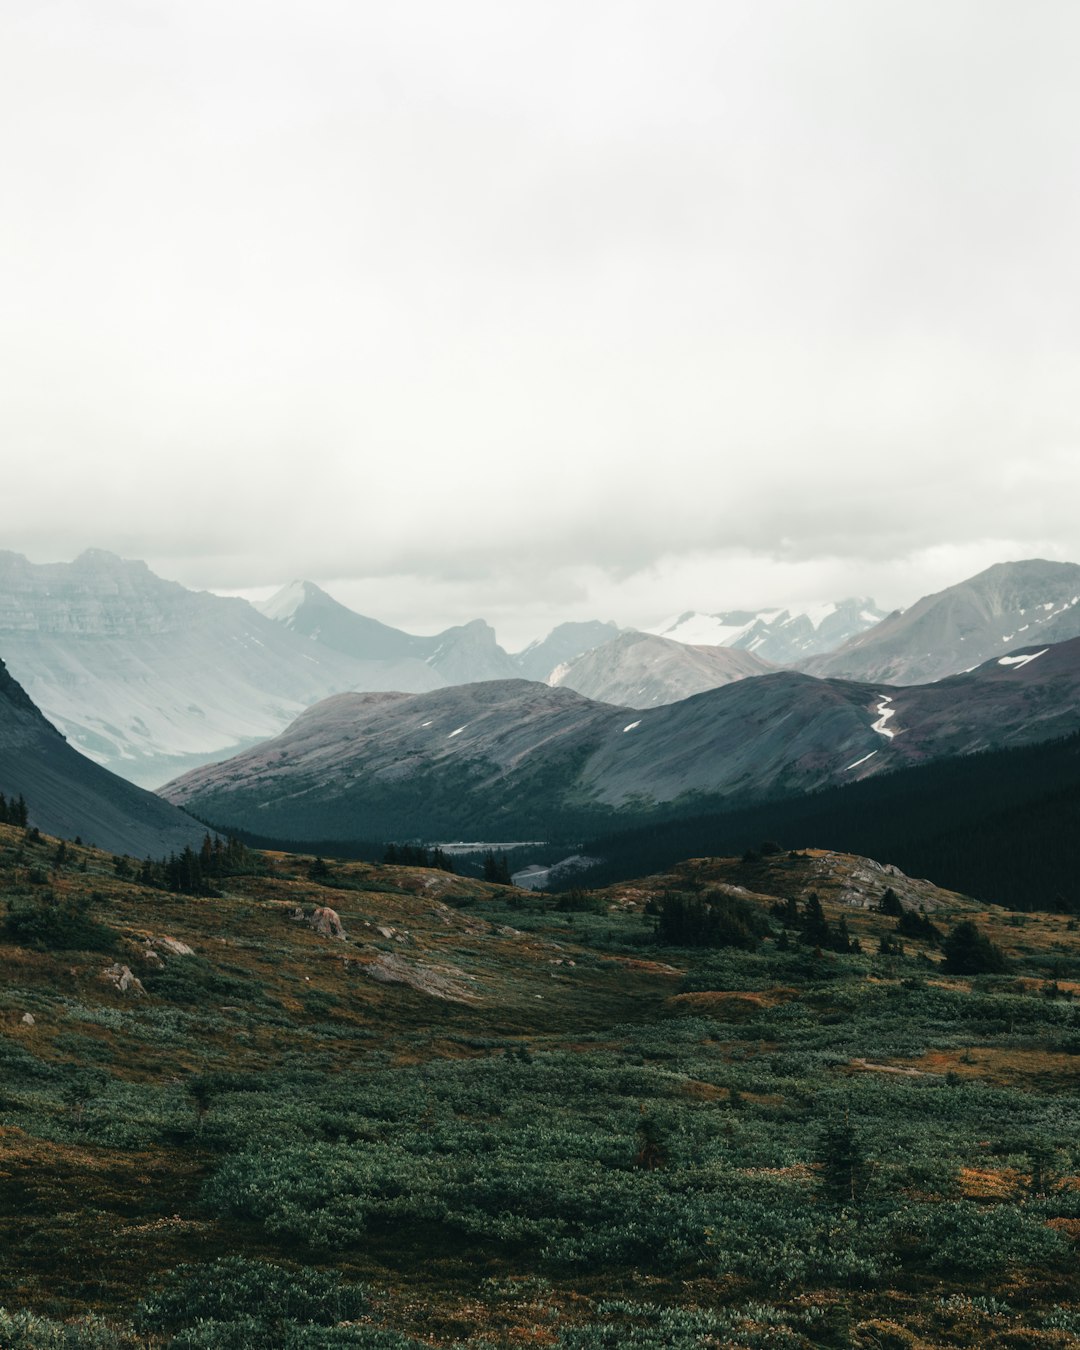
(845, 1170)
(970, 952)
(318, 870)
(815, 927)
(496, 870)
(890, 904)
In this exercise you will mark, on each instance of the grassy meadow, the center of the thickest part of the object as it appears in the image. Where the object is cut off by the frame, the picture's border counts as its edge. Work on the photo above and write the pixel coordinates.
(488, 1118)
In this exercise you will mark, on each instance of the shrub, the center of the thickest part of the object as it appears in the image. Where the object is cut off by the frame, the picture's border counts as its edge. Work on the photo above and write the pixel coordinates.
(961, 1238)
(192, 979)
(235, 1287)
(53, 925)
(249, 1333)
(26, 1331)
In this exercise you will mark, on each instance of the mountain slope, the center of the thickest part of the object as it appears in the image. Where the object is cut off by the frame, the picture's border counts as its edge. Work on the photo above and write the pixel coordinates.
(68, 795)
(776, 635)
(640, 670)
(1003, 825)
(561, 646)
(147, 677)
(306, 609)
(964, 625)
(460, 655)
(397, 765)
(513, 756)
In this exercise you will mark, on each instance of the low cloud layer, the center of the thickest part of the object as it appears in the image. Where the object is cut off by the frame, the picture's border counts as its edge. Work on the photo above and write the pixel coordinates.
(537, 311)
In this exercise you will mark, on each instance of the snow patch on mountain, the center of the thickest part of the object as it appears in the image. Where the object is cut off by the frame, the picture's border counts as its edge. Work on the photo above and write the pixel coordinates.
(780, 636)
(884, 713)
(283, 604)
(1021, 660)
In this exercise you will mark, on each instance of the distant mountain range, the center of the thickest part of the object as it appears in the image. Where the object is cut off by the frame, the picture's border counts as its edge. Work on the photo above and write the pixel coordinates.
(1007, 605)
(459, 655)
(146, 677)
(150, 679)
(513, 756)
(70, 796)
(778, 636)
(564, 644)
(640, 670)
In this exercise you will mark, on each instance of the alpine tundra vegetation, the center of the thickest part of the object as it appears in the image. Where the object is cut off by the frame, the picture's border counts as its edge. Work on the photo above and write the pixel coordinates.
(789, 1098)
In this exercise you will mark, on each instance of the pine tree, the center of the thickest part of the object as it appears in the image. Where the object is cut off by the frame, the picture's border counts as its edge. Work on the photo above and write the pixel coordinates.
(815, 927)
(970, 952)
(890, 904)
(845, 1171)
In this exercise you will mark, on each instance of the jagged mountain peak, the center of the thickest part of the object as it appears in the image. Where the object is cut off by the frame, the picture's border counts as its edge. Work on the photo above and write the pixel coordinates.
(283, 604)
(779, 636)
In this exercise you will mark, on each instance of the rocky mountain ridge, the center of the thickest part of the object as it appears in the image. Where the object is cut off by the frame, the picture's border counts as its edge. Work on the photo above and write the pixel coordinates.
(964, 625)
(778, 636)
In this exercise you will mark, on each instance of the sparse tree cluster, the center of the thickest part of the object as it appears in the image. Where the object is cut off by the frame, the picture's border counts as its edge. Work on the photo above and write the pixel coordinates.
(813, 927)
(415, 855)
(497, 869)
(188, 872)
(918, 925)
(13, 812)
(716, 920)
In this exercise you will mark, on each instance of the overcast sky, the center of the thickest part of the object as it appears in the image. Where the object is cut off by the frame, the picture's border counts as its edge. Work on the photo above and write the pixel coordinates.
(542, 310)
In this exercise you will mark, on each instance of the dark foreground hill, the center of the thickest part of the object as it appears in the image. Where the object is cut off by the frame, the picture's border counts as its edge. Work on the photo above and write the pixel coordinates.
(364, 1107)
(69, 795)
(514, 759)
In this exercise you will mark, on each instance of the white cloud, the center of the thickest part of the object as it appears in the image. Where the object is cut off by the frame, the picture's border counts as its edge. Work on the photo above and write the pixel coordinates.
(496, 308)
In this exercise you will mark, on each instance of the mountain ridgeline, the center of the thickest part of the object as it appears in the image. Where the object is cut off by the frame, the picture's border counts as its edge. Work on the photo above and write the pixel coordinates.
(956, 629)
(149, 679)
(515, 759)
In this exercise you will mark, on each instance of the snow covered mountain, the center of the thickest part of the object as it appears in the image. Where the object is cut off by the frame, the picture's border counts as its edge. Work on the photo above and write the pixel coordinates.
(778, 636)
(70, 796)
(958, 628)
(641, 670)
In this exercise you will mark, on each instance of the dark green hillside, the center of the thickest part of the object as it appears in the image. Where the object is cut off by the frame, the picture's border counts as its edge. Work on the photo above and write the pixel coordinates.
(1003, 826)
(483, 1118)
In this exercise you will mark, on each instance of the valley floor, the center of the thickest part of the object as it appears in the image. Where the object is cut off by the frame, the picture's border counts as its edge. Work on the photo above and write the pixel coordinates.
(488, 1118)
